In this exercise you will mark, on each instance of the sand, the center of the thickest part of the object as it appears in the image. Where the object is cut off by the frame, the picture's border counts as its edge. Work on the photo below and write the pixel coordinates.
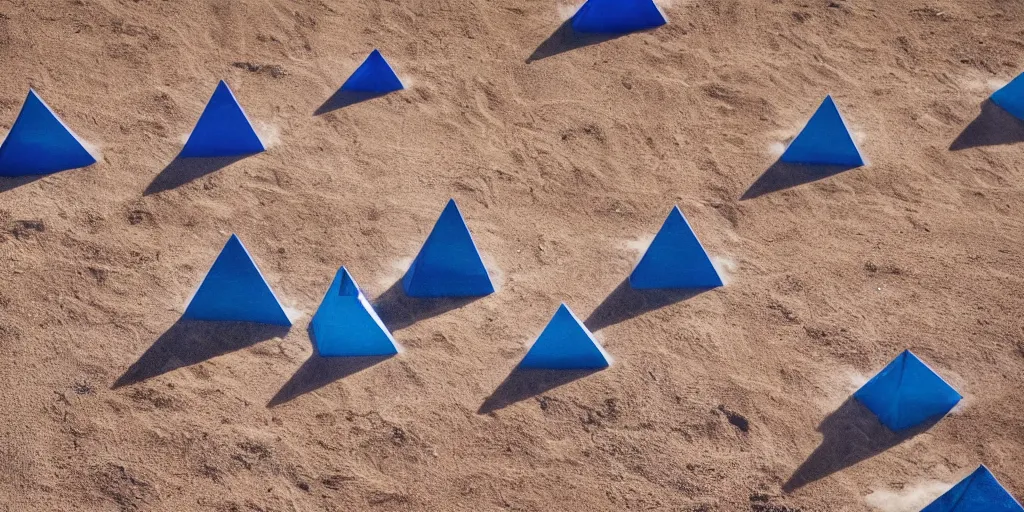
(565, 158)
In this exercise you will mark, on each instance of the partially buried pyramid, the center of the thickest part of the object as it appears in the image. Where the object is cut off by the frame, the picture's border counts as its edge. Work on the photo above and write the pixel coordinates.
(40, 143)
(373, 76)
(1011, 97)
(448, 264)
(565, 344)
(617, 16)
(907, 393)
(824, 140)
(345, 324)
(223, 129)
(675, 259)
(979, 492)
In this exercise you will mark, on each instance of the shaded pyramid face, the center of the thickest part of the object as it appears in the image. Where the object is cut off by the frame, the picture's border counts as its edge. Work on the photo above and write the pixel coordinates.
(825, 140)
(565, 344)
(907, 393)
(223, 129)
(675, 259)
(234, 291)
(449, 264)
(1011, 97)
(345, 324)
(617, 16)
(40, 143)
(374, 75)
(979, 492)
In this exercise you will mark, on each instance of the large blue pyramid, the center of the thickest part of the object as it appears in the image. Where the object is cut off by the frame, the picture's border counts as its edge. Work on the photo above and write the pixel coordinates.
(675, 259)
(346, 325)
(234, 290)
(449, 264)
(979, 492)
(374, 75)
(617, 16)
(565, 344)
(825, 140)
(222, 130)
(40, 143)
(907, 393)
(1011, 97)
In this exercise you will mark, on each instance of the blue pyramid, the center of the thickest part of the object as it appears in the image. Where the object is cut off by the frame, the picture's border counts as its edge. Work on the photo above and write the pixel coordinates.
(825, 140)
(40, 143)
(222, 130)
(565, 344)
(374, 75)
(617, 16)
(449, 264)
(675, 259)
(1011, 97)
(346, 325)
(907, 393)
(234, 291)
(979, 492)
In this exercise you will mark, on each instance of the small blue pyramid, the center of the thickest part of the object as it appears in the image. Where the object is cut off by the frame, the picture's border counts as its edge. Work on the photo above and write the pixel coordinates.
(979, 492)
(346, 325)
(565, 344)
(374, 75)
(222, 130)
(234, 291)
(40, 143)
(675, 259)
(907, 393)
(617, 16)
(449, 264)
(1011, 97)
(825, 140)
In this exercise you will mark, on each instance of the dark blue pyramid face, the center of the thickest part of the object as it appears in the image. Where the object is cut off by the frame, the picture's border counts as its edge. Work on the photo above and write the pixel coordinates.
(449, 264)
(345, 324)
(979, 492)
(825, 140)
(907, 393)
(565, 344)
(675, 259)
(222, 130)
(40, 143)
(1011, 97)
(374, 75)
(617, 16)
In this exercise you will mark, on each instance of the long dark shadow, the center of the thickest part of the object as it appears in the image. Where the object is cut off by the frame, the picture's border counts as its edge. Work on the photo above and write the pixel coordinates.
(993, 127)
(398, 311)
(189, 342)
(850, 434)
(566, 39)
(523, 384)
(625, 302)
(782, 175)
(13, 182)
(183, 170)
(342, 99)
(318, 372)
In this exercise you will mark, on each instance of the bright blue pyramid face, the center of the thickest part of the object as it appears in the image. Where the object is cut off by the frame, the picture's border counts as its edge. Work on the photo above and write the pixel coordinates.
(1011, 97)
(825, 140)
(617, 16)
(40, 143)
(345, 324)
(449, 264)
(675, 259)
(234, 290)
(374, 75)
(222, 130)
(907, 393)
(565, 344)
(979, 492)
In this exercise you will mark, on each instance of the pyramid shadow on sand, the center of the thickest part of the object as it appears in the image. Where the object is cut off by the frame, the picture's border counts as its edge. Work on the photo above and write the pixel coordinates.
(782, 175)
(625, 302)
(850, 434)
(13, 182)
(184, 170)
(566, 39)
(342, 98)
(189, 342)
(398, 311)
(523, 384)
(993, 127)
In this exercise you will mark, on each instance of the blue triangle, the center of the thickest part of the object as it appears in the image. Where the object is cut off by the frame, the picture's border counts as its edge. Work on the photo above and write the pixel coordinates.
(40, 143)
(978, 492)
(346, 325)
(675, 259)
(1011, 97)
(907, 393)
(234, 291)
(222, 130)
(449, 264)
(373, 75)
(617, 16)
(825, 140)
(565, 344)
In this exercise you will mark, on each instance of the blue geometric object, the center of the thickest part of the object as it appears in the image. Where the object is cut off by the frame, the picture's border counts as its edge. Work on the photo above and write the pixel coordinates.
(346, 325)
(449, 264)
(1011, 97)
(617, 16)
(907, 393)
(222, 130)
(234, 291)
(40, 143)
(565, 344)
(825, 140)
(374, 75)
(675, 259)
(979, 492)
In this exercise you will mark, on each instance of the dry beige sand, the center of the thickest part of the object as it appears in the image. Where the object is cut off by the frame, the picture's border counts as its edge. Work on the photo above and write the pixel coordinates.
(565, 161)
